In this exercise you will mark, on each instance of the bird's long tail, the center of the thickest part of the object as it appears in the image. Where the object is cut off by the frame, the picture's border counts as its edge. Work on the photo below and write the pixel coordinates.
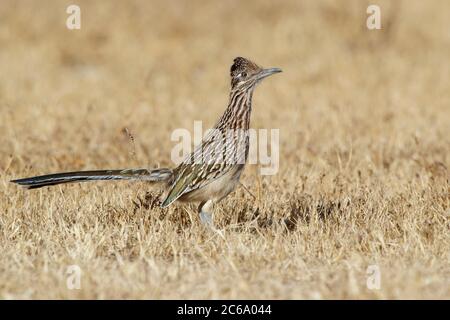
(154, 175)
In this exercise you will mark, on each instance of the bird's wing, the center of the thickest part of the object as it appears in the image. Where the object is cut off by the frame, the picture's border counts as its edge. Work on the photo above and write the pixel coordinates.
(193, 177)
(216, 156)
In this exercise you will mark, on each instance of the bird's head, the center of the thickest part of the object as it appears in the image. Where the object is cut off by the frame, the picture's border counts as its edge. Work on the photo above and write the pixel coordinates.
(246, 74)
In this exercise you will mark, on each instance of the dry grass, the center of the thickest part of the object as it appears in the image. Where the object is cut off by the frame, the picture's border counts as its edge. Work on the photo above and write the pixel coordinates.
(364, 119)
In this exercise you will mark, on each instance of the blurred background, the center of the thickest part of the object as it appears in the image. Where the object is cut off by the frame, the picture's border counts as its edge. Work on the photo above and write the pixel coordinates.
(364, 119)
(154, 66)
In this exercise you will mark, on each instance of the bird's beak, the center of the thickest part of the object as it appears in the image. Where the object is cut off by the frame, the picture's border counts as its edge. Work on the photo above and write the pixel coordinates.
(267, 72)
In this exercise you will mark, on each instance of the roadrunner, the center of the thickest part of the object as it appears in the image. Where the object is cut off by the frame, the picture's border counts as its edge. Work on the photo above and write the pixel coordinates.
(212, 170)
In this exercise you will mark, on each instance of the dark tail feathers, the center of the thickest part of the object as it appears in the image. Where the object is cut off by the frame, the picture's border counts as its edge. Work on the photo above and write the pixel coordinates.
(155, 175)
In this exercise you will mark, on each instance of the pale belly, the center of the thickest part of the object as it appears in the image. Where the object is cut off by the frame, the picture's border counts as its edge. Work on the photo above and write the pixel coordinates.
(217, 189)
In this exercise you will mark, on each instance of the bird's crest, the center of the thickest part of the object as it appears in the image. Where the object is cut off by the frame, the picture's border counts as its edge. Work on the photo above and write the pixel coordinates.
(243, 65)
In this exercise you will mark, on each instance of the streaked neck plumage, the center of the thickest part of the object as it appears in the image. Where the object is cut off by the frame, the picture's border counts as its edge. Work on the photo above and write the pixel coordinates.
(237, 114)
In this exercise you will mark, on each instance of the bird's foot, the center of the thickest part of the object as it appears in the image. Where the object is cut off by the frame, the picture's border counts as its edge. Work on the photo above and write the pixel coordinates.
(206, 219)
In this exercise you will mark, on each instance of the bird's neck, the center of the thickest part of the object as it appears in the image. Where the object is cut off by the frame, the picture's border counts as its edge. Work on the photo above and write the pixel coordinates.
(237, 114)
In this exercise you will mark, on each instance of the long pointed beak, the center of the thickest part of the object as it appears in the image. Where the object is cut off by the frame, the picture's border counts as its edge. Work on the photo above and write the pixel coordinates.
(268, 72)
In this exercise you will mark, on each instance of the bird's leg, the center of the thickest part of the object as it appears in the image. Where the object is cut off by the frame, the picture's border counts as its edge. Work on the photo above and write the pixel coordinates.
(205, 212)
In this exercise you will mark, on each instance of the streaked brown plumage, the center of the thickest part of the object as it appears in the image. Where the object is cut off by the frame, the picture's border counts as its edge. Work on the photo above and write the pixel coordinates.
(212, 170)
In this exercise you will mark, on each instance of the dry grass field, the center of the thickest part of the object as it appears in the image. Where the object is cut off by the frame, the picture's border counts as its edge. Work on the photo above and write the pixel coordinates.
(364, 119)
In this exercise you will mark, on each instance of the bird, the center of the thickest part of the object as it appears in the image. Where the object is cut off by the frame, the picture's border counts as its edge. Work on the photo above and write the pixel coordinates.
(211, 171)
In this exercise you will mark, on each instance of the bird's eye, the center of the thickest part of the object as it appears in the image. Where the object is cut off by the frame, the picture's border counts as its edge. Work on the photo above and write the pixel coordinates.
(244, 74)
